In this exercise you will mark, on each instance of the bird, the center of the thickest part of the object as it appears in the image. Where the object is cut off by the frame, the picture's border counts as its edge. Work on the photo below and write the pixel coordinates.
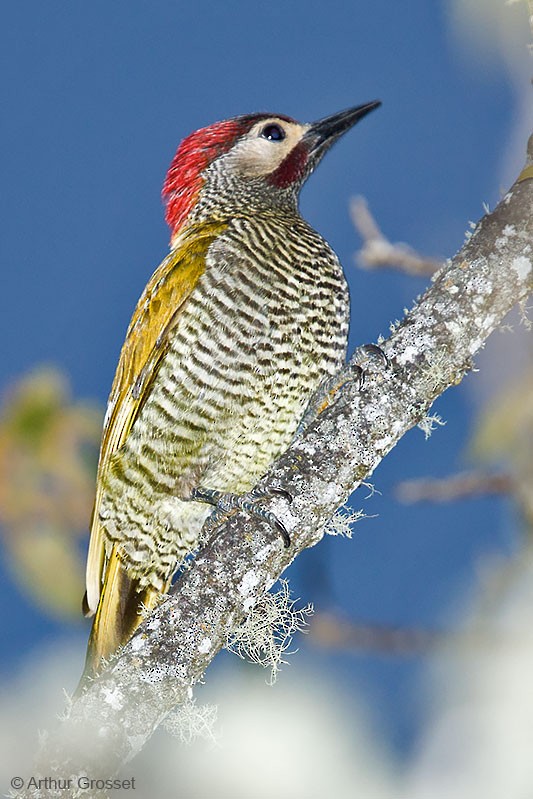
(243, 321)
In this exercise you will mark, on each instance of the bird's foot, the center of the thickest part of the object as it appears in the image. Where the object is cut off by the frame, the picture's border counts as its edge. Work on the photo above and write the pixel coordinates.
(364, 359)
(369, 357)
(226, 504)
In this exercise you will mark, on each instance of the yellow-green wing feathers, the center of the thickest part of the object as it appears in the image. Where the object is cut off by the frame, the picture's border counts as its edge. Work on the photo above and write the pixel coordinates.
(157, 313)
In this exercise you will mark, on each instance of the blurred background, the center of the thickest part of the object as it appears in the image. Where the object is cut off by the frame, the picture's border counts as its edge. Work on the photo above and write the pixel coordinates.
(414, 677)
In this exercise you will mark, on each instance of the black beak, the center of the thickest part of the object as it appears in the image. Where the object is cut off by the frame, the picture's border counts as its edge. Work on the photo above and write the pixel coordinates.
(322, 134)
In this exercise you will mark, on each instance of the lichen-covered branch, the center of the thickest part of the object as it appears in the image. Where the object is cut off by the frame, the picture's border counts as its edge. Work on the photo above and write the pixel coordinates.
(429, 351)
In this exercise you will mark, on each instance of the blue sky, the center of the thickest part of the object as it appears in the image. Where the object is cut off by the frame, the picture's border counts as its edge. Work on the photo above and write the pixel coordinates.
(95, 99)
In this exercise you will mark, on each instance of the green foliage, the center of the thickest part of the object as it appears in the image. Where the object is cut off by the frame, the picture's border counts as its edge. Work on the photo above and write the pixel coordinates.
(48, 456)
(505, 433)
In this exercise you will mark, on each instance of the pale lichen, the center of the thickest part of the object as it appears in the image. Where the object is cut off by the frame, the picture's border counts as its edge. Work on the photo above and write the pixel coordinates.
(267, 631)
(248, 582)
(430, 423)
(190, 721)
(114, 697)
(522, 266)
(342, 521)
(205, 646)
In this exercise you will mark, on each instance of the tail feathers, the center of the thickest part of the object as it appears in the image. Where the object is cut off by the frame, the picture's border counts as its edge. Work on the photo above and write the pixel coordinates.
(118, 614)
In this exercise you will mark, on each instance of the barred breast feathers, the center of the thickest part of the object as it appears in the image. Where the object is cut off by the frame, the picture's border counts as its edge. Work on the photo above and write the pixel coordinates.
(266, 322)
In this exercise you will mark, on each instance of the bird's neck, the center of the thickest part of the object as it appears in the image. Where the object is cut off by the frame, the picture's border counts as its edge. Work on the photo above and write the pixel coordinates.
(222, 197)
(205, 218)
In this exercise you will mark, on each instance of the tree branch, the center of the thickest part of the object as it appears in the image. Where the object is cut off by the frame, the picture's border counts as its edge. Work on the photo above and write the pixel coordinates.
(466, 485)
(431, 350)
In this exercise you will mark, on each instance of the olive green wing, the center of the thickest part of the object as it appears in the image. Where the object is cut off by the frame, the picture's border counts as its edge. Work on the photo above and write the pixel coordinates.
(112, 594)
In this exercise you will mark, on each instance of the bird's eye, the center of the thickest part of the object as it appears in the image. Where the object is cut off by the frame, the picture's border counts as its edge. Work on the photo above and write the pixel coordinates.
(273, 133)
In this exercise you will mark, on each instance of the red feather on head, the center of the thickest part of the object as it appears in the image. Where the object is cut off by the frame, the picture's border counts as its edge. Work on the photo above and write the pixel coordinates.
(184, 177)
(196, 152)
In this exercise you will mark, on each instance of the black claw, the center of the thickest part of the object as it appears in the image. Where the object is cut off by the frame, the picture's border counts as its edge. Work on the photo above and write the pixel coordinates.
(373, 349)
(284, 533)
(352, 371)
(225, 504)
(282, 493)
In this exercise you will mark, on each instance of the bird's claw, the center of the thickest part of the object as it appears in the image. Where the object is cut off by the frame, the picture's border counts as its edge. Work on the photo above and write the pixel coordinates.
(282, 492)
(370, 354)
(227, 503)
(354, 370)
(365, 356)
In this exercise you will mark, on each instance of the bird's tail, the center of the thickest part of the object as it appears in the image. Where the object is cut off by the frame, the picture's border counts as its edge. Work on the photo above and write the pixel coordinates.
(118, 615)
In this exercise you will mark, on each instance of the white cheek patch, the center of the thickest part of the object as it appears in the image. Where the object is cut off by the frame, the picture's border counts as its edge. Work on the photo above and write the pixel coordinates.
(258, 156)
(255, 156)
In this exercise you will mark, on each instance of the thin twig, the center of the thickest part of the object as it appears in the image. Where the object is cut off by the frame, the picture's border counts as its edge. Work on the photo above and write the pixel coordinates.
(449, 489)
(377, 250)
(331, 632)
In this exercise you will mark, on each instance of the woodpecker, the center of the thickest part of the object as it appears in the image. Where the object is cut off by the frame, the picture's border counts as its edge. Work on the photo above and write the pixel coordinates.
(240, 324)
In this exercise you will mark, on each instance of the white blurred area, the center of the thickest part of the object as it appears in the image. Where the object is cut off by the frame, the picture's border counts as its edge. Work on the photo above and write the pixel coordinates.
(478, 740)
(303, 739)
(491, 29)
(497, 36)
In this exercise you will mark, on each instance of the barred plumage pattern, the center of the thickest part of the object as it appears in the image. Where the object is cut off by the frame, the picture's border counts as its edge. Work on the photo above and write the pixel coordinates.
(267, 321)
